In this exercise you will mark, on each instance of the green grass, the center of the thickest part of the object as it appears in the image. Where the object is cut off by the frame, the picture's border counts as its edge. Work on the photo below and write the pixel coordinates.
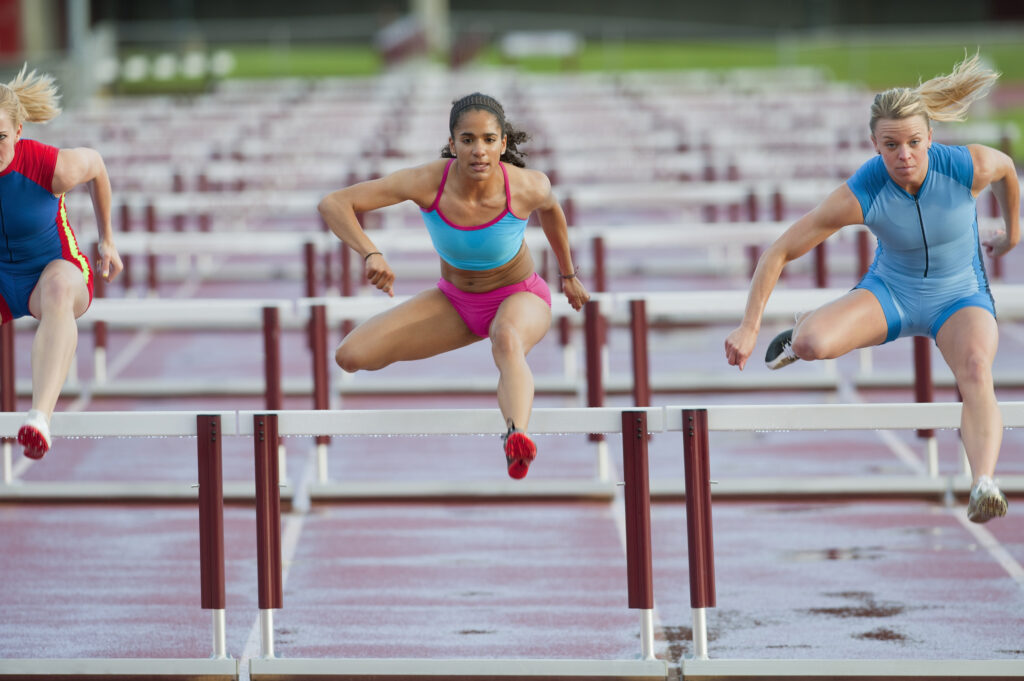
(876, 65)
(304, 62)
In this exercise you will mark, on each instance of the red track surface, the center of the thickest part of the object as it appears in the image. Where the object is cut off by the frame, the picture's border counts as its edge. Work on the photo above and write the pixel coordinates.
(822, 579)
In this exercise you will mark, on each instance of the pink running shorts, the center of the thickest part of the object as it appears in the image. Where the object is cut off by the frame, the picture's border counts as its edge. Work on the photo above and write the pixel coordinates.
(478, 309)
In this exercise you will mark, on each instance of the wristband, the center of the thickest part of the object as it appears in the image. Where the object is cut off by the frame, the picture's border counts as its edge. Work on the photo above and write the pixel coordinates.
(367, 256)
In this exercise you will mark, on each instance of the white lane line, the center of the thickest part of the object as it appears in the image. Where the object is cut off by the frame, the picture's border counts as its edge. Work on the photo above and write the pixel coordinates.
(992, 545)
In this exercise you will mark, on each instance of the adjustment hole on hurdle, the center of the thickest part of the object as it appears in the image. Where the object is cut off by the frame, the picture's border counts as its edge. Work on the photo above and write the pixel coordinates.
(620, 484)
(194, 485)
(712, 482)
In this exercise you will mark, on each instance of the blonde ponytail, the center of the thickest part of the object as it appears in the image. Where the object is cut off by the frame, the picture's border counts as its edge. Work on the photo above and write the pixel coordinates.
(943, 98)
(30, 98)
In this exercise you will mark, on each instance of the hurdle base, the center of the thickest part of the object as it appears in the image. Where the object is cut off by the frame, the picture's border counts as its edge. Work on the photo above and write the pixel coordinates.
(99, 669)
(279, 669)
(482, 490)
(876, 670)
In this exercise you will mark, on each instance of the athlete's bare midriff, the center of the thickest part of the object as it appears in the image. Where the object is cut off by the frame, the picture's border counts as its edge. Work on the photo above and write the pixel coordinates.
(480, 281)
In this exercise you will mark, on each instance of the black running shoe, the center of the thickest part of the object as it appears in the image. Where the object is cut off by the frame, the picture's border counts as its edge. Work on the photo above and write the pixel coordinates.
(780, 351)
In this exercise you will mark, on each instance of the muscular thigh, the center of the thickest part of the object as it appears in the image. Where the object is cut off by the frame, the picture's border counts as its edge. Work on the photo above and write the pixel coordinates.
(58, 278)
(971, 332)
(856, 320)
(423, 326)
(525, 313)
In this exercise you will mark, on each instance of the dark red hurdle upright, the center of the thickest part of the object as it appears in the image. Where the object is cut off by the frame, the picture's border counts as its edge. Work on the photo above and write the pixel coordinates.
(698, 524)
(211, 526)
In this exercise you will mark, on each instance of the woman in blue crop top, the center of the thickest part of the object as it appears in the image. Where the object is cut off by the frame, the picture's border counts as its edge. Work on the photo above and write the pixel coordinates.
(475, 202)
(928, 278)
(42, 271)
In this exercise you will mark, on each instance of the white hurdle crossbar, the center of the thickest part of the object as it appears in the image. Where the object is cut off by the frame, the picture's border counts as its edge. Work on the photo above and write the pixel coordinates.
(634, 424)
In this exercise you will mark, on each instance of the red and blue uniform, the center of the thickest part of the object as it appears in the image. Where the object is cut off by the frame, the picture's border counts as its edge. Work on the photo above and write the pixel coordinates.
(34, 227)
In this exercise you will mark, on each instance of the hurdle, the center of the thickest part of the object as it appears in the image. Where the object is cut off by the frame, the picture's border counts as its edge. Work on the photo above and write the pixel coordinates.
(634, 425)
(208, 429)
(207, 314)
(168, 314)
(695, 425)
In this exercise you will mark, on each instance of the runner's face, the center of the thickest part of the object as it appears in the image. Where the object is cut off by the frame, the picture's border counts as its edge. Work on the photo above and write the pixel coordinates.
(903, 144)
(478, 142)
(9, 135)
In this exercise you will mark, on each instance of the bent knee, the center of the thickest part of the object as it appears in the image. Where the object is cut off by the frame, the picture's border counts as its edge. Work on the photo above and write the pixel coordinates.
(353, 359)
(505, 340)
(974, 369)
(59, 296)
(810, 346)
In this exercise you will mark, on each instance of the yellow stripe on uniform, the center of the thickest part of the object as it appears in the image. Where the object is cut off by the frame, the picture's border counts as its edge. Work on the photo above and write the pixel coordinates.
(68, 235)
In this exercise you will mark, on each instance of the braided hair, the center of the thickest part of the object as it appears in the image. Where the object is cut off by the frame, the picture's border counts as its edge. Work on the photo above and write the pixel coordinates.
(480, 102)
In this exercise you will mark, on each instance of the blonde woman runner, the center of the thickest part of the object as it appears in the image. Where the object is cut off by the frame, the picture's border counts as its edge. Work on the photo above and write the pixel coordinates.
(928, 277)
(42, 271)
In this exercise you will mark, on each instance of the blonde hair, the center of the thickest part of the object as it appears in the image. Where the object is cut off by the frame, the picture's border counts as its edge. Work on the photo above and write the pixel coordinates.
(943, 98)
(30, 98)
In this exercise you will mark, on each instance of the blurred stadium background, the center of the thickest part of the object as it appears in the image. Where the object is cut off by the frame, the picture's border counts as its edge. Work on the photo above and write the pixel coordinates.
(236, 116)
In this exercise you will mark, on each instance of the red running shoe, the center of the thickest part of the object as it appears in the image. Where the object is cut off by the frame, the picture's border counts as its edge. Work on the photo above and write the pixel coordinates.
(34, 435)
(519, 453)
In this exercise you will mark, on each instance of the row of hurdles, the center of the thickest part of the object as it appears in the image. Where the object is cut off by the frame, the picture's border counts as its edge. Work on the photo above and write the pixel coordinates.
(635, 426)
(326, 388)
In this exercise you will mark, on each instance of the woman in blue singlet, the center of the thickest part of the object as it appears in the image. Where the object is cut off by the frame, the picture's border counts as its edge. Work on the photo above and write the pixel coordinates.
(42, 271)
(928, 278)
(475, 201)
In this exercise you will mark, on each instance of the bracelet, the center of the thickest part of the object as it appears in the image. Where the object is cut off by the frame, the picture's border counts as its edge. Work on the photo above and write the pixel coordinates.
(570, 276)
(367, 256)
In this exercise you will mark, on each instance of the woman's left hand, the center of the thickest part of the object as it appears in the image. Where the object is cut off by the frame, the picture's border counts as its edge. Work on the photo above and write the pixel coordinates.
(110, 264)
(997, 244)
(575, 293)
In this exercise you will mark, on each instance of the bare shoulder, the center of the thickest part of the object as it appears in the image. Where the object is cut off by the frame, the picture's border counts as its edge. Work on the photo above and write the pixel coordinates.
(416, 183)
(531, 187)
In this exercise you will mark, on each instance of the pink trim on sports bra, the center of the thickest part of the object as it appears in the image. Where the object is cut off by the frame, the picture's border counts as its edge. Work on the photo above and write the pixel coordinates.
(436, 205)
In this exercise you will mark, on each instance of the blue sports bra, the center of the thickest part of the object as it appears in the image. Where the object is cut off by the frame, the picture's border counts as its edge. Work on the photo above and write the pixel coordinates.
(482, 247)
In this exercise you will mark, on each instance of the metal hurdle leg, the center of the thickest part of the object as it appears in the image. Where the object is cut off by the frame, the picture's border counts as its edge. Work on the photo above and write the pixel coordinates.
(272, 375)
(641, 372)
(638, 525)
(321, 381)
(268, 527)
(594, 337)
(698, 525)
(211, 527)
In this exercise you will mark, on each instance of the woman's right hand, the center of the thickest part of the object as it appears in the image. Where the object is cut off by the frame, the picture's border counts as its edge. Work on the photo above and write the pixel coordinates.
(739, 345)
(379, 273)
